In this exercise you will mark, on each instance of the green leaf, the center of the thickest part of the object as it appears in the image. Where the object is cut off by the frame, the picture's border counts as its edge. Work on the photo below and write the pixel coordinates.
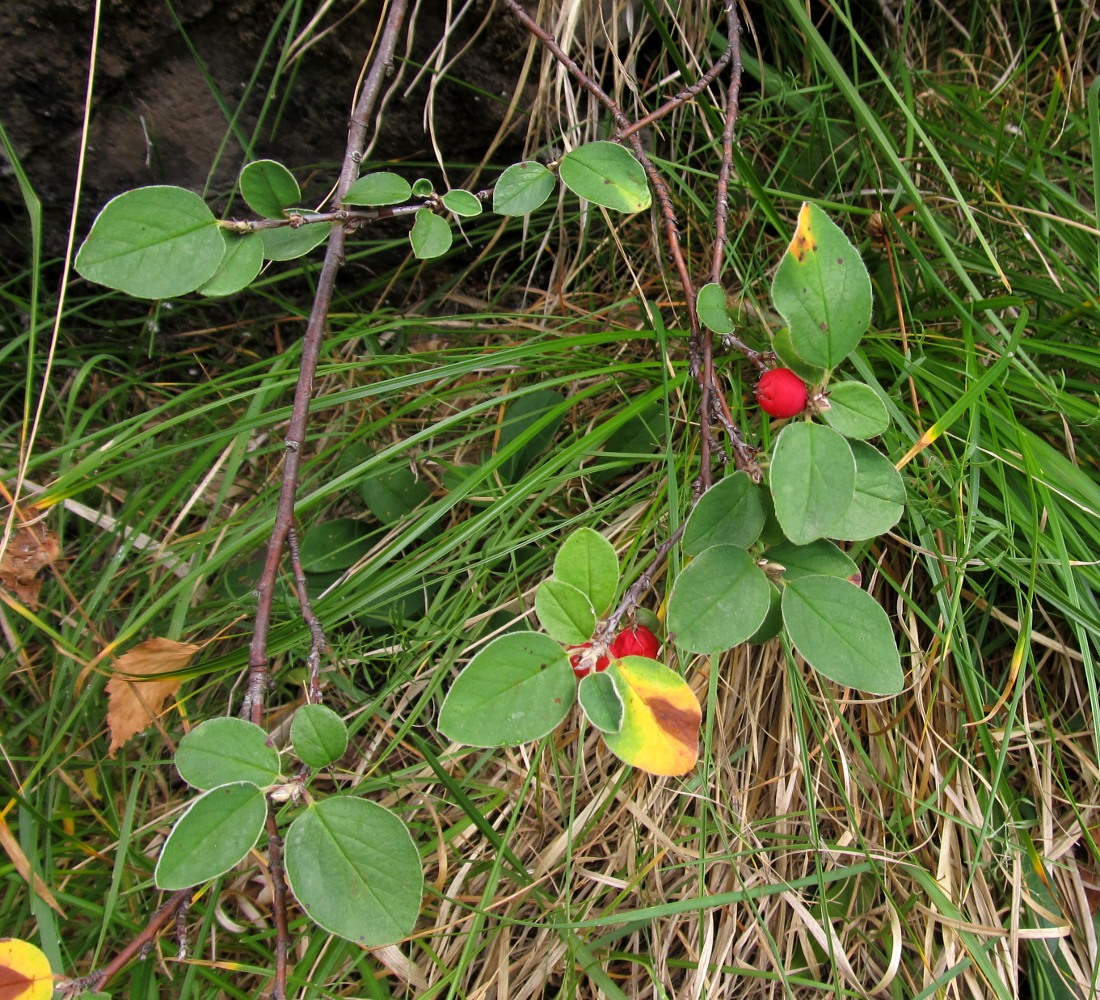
(153, 243)
(269, 188)
(606, 174)
(719, 600)
(785, 352)
(565, 611)
(462, 203)
(820, 558)
(422, 187)
(334, 545)
(855, 410)
(243, 258)
(534, 410)
(731, 512)
(215, 832)
(355, 870)
(601, 701)
(222, 751)
(843, 633)
(812, 480)
(822, 290)
(390, 495)
(588, 561)
(288, 243)
(713, 308)
(430, 235)
(518, 688)
(772, 624)
(879, 498)
(522, 188)
(319, 735)
(381, 188)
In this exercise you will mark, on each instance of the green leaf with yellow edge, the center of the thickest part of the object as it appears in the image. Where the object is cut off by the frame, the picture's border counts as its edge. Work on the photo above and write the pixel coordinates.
(661, 717)
(25, 972)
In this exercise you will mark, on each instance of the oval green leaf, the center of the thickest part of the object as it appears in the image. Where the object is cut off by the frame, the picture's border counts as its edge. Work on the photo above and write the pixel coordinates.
(422, 187)
(564, 611)
(536, 416)
(661, 717)
(381, 188)
(355, 870)
(391, 494)
(222, 751)
(288, 243)
(856, 411)
(713, 308)
(269, 188)
(319, 735)
(820, 558)
(518, 688)
(879, 497)
(718, 601)
(430, 235)
(217, 830)
(334, 545)
(731, 512)
(522, 188)
(462, 203)
(843, 633)
(153, 243)
(812, 480)
(772, 624)
(588, 561)
(822, 290)
(785, 352)
(606, 174)
(601, 701)
(243, 258)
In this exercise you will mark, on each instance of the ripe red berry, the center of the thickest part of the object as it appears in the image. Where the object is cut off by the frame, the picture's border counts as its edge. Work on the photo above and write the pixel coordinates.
(583, 663)
(781, 393)
(637, 641)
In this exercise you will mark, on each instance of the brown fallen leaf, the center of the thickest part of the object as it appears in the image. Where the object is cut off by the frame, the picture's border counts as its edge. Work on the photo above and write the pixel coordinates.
(31, 548)
(132, 702)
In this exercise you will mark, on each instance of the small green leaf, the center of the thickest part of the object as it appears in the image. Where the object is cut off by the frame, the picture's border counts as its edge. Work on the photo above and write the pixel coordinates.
(601, 701)
(606, 174)
(153, 243)
(731, 512)
(215, 832)
(269, 188)
(288, 243)
(381, 188)
(822, 290)
(355, 870)
(221, 751)
(430, 235)
(588, 561)
(334, 545)
(564, 611)
(785, 352)
(518, 688)
(422, 187)
(812, 479)
(319, 735)
(713, 309)
(243, 258)
(462, 203)
(390, 495)
(879, 497)
(843, 633)
(772, 624)
(538, 411)
(856, 411)
(522, 188)
(718, 601)
(820, 558)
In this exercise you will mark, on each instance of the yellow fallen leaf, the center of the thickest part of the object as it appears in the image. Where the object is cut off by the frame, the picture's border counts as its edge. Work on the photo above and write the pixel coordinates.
(141, 684)
(24, 971)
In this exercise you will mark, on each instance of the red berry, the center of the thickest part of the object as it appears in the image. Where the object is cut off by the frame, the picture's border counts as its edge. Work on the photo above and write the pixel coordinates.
(637, 641)
(582, 663)
(781, 393)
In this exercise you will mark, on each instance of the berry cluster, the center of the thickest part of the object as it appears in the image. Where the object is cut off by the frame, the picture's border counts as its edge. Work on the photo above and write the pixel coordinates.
(636, 641)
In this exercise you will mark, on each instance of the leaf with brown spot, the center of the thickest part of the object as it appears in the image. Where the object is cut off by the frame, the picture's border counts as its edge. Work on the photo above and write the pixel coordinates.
(143, 681)
(24, 971)
(30, 549)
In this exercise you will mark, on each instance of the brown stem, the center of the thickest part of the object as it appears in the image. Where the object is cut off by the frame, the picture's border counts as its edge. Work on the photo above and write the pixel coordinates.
(318, 643)
(278, 905)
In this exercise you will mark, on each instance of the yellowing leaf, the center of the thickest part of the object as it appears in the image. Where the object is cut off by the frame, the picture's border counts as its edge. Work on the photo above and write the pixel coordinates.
(24, 971)
(141, 685)
(661, 717)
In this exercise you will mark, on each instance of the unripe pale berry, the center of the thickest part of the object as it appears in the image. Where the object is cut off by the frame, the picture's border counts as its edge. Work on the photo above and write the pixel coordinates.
(637, 641)
(781, 393)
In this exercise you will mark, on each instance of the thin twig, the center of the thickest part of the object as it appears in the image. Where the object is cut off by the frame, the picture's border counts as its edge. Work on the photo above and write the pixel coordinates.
(318, 643)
